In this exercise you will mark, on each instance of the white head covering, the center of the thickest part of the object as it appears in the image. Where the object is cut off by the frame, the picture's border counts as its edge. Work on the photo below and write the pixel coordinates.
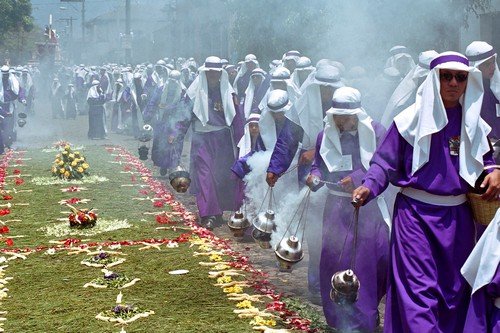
(347, 101)
(198, 92)
(93, 93)
(243, 69)
(427, 116)
(398, 52)
(245, 144)
(479, 52)
(249, 93)
(277, 101)
(308, 111)
(480, 267)
(291, 55)
(303, 65)
(173, 82)
(408, 87)
(282, 74)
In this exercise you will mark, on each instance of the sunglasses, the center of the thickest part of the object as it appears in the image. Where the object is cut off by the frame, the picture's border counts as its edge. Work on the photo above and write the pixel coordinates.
(460, 77)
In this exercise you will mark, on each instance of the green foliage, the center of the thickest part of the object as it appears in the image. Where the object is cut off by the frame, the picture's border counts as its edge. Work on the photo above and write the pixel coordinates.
(18, 33)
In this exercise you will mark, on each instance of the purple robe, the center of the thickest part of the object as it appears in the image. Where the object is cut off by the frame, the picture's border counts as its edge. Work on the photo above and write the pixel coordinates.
(483, 315)
(170, 123)
(489, 112)
(429, 243)
(96, 117)
(372, 253)
(212, 155)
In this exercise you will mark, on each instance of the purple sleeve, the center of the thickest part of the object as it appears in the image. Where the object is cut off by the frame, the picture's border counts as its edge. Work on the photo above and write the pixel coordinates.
(22, 94)
(152, 105)
(385, 163)
(285, 148)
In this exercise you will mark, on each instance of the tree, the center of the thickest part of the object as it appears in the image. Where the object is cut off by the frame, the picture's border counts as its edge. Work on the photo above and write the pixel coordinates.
(16, 24)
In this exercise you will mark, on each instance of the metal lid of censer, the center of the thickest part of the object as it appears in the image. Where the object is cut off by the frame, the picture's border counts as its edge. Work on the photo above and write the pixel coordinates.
(289, 252)
(238, 223)
(345, 287)
(180, 179)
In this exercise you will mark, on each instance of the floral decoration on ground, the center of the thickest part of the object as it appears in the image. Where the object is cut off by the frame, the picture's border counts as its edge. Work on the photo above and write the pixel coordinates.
(70, 165)
(123, 313)
(103, 259)
(82, 218)
(63, 229)
(112, 279)
(43, 181)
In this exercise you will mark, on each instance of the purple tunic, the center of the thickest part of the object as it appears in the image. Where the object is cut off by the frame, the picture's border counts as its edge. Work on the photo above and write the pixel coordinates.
(429, 243)
(96, 117)
(483, 315)
(212, 155)
(489, 111)
(372, 254)
(166, 120)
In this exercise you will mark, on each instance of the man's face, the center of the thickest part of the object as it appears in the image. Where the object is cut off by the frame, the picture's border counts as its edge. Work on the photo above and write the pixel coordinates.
(257, 80)
(326, 93)
(232, 72)
(279, 85)
(278, 116)
(346, 123)
(213, 77)
(487, 68)
(290, 65)
(250, 65)
(453, 84)
(254, 129)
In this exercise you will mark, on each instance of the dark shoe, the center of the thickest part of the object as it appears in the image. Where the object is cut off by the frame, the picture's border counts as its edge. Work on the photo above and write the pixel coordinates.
(208, 222)
(163, 171)
(219, 221)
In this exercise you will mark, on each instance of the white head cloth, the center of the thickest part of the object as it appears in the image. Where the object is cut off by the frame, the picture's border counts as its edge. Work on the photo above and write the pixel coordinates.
(347, 101)
(14, 85)
(427, 116)
(479, 52)
(480, 267)
(282, 74)
(277, 101)
(407, 88)
(303, 65)
(243, 69)
(398, 52)
(249, 93)
(309, 109)
(174, 83)
(93, 93)
(198, 92)
(245, 144)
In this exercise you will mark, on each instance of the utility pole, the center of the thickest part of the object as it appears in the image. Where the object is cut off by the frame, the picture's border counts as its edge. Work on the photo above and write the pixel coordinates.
(83, 22)
(128, 37)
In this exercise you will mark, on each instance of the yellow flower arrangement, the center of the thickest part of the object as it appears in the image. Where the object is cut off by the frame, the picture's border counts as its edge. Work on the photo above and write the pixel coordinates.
(233, 290)
(259, 321)
(246, 304)
(70, 165)
(224, 279)
(215, 257)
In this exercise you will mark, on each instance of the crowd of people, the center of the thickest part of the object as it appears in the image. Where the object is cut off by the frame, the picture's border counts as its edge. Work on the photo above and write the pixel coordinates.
(421, 139)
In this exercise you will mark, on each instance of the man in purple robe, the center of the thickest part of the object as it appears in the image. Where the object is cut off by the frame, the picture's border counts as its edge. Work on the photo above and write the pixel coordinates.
(342, 155)
(95, 100)
(10, 91)
(482, 272)
(217, 126)
(243, 78)
(435, 151)
(483, 57)
(166, 111)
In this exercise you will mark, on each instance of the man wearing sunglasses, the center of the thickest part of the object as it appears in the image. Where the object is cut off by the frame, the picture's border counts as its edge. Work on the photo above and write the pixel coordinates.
(435, 150)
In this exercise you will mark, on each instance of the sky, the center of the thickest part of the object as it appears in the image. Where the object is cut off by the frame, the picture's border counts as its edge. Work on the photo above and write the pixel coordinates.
(60, 10)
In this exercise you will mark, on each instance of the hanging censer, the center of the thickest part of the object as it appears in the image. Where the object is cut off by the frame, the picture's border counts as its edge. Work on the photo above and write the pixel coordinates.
(264, 223)
(345, 284)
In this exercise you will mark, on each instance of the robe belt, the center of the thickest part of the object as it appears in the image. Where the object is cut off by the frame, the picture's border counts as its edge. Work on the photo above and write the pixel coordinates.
(497, 302)
(434, 199)
(199, 128)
